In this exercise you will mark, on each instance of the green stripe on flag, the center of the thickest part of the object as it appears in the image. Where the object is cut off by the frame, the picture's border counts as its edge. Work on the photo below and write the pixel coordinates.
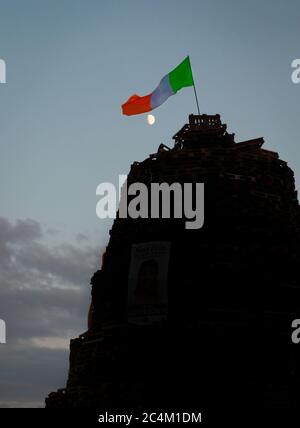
(182, 75)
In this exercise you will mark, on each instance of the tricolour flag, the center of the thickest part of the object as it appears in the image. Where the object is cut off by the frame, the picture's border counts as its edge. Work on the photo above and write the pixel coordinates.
(177, 79)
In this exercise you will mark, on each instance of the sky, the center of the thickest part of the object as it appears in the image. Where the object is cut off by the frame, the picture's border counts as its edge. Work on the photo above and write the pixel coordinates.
(70, 65)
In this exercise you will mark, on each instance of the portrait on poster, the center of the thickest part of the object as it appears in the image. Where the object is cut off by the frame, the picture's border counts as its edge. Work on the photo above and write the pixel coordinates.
(148, 280)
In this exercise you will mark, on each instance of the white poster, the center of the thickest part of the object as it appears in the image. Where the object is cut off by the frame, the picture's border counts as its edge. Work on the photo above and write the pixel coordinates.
(148, 282)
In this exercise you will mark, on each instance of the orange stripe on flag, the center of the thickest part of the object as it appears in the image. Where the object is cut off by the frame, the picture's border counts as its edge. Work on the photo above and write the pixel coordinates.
(136, 105)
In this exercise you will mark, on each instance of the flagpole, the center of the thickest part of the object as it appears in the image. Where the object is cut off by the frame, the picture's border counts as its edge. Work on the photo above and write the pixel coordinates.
(196, 98)
(195, 89)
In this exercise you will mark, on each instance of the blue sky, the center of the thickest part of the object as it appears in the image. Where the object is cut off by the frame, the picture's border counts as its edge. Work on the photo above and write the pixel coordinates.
(70, 66)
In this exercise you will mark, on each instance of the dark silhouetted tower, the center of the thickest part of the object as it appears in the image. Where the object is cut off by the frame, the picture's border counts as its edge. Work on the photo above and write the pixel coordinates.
(222, 332)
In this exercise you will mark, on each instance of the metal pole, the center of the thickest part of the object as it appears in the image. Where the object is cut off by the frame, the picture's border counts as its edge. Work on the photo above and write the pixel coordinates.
(196, 99)
(195, 89)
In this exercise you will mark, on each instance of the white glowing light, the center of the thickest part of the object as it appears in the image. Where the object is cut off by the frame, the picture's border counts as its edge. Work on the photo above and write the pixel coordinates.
(150, 119)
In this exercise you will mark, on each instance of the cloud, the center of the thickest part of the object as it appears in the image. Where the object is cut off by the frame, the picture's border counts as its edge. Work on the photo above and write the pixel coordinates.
(80, 237)
(22, 231)
(48, 342)
(44, 299)
(28, 373)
